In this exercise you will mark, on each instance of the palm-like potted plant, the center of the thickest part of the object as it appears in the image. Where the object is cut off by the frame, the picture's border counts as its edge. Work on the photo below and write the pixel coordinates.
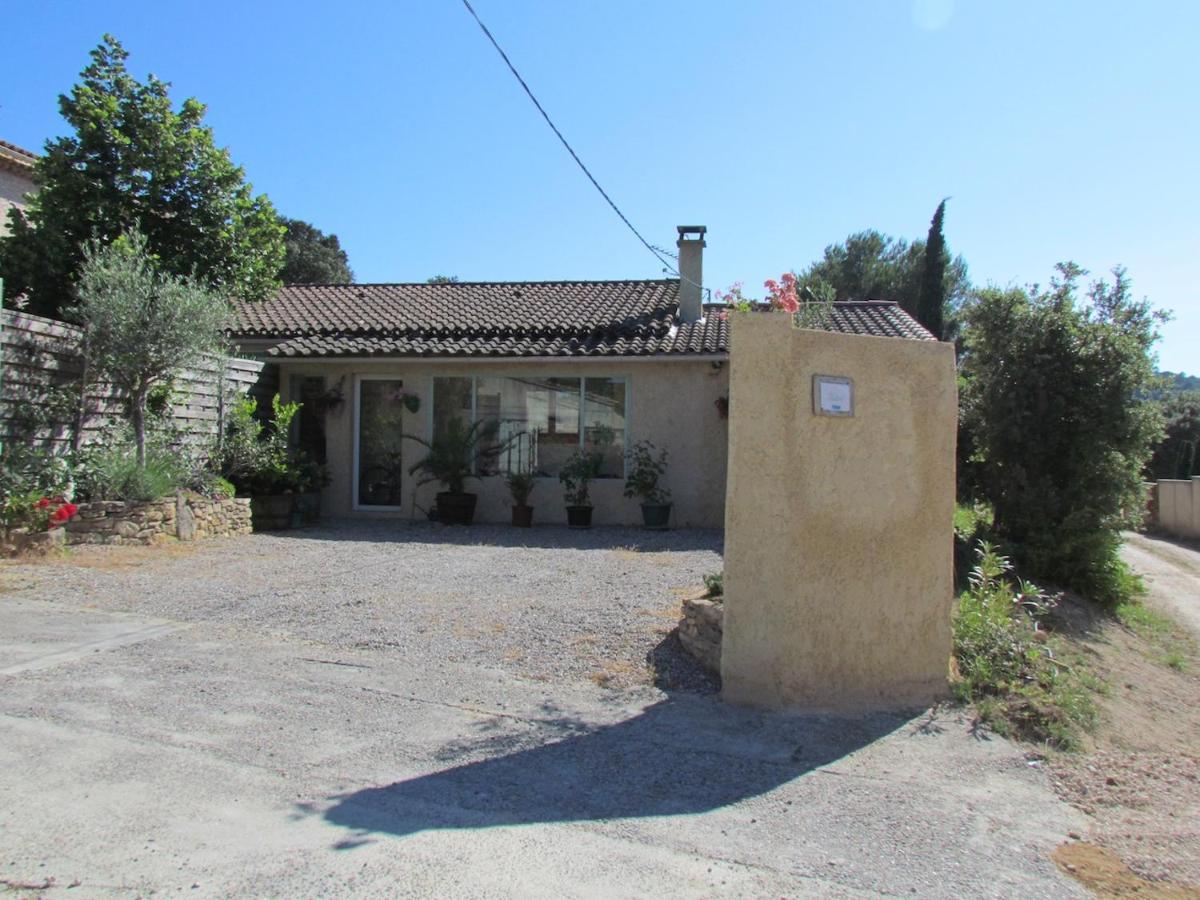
(520, 485)
(576, 475)
(454, 456)
(646, 468)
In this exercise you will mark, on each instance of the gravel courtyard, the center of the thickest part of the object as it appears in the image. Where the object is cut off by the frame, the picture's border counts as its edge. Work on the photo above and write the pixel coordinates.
(382, 710)
(547, 604)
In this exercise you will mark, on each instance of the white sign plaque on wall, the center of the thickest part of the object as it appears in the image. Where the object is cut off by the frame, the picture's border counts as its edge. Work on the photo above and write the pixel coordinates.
(833, 395)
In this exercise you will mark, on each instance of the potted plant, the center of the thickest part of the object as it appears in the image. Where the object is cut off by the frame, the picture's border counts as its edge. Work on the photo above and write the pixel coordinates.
(576, 475)
(311, 478)
(520, 485)
(453, 457)
(255, 458)
(645, 469)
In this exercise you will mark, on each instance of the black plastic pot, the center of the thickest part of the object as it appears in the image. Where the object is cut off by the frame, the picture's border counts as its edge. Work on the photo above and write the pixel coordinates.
(522, 516)
(579, 516)
(456, 509)
(308, 505)
(272, 512)
(656, 516)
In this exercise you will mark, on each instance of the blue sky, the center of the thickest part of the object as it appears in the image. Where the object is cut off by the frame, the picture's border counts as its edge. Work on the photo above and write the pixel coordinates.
(1064, 130)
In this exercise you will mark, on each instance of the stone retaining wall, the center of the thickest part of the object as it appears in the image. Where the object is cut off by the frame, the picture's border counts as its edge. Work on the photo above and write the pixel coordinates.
(701, 628)
(188, 517)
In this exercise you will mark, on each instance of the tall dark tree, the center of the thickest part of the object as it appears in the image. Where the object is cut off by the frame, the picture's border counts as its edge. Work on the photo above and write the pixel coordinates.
(133, 161)
(313, 257)
(442, 279)
(931, 301)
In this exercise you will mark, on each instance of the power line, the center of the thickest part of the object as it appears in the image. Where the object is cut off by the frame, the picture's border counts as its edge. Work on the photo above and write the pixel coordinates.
(657, 254)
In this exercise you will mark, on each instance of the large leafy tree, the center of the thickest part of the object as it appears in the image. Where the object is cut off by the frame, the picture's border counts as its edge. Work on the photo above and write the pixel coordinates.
(871, 264)
(1178, 456)
(141, 324)
(1051, 397)
(134, 161)
(313, 257)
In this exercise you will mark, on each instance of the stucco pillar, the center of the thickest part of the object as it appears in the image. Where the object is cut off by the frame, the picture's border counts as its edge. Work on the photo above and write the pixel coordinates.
(838, 528)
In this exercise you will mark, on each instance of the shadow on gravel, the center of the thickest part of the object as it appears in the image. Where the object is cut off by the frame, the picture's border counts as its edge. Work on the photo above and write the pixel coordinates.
(556, 537)
(685, 754)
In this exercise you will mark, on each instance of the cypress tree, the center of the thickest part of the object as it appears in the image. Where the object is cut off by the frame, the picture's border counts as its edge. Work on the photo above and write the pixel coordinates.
(931, 302)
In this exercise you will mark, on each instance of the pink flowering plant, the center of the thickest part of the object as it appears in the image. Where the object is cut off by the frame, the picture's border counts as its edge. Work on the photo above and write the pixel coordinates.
(785, 294)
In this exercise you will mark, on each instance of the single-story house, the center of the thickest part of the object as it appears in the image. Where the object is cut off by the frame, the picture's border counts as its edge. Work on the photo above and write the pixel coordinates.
(561, 365)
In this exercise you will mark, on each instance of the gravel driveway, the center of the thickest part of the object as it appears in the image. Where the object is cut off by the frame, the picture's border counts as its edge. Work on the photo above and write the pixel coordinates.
(549, 603)
(383, 710)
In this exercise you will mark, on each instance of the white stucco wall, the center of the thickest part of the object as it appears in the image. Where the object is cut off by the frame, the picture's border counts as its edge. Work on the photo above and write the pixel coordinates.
(671, 403)
(13, 188)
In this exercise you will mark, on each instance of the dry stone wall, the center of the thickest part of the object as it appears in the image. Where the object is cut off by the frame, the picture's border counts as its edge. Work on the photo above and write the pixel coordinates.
(188, 517)
(700, 630)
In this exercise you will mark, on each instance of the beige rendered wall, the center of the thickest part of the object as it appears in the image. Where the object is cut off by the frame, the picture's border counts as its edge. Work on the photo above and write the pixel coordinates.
(672, 403)
(1179, 507)
(13, 188)
(838, 531)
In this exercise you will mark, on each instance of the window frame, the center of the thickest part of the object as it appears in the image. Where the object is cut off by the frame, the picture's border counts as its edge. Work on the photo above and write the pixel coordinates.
(583, 379)
(354, 485)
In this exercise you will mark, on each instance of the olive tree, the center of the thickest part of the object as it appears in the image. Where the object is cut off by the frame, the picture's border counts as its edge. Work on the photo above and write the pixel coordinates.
(142, 324)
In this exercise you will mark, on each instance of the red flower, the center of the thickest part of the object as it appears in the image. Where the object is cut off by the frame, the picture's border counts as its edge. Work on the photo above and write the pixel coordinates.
(59, 516)
(42, 504)
(71, 509)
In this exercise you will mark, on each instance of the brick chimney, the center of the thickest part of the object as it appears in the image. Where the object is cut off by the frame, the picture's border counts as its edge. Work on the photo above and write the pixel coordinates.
(691, 272)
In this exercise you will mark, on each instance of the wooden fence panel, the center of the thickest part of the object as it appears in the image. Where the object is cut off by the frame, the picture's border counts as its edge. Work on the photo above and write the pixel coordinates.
(40, 367)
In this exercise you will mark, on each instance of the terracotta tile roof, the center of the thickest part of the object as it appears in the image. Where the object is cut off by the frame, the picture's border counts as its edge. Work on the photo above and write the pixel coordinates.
(551, 318)
(880, 318)
(16, 158)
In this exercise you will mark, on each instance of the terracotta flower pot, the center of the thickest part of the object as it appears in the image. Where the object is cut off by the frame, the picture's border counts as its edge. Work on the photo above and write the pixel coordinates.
(522, 516)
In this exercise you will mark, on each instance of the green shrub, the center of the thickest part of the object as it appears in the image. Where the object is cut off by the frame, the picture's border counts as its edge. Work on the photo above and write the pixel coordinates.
(715, 583)
(1007, 662)
(111, 472)
(1057, 430)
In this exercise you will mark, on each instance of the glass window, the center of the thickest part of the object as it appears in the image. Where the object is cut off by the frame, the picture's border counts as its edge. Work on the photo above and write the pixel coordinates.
(308, 428)
(380, 436)
(538, 418)
(542, 421)
(604, 423)
(451, 400)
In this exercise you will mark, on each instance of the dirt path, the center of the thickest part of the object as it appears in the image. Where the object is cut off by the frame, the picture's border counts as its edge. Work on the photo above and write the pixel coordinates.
(1139, 784)
(1172, 573)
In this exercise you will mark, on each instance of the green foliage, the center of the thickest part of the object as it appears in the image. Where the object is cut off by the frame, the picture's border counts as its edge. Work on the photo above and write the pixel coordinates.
(442, 279)
(645, 470)
(931, 301)
(1007, 662)
(312, 257)
(577, 474)
(457, 453)
(254, 456)
(110, 471)
(874, 265)
(1050, 399)
(134, 161)
(140, 324)
(715, 584)
(521, 485)
(1179, 382)
(222, 487)
(1178, 454)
